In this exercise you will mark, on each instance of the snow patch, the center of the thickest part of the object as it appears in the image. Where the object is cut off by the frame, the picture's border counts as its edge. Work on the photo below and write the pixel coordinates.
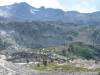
(11, 32)
(8, 7)
(34, 10)
(4, 13)
(3, 32)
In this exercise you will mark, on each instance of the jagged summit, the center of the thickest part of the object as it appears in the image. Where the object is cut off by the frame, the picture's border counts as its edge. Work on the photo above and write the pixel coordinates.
(22, 4)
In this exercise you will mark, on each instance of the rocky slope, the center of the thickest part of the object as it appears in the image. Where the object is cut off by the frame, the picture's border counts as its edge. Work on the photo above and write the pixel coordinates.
(9, 68)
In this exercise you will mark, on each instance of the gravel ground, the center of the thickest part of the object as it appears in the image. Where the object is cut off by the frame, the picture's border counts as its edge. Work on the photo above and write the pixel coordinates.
(70, 73)
(9, 68)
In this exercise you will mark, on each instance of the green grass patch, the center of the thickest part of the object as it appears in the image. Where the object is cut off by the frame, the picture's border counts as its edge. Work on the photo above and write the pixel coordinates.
(56, 67)
(97, 69)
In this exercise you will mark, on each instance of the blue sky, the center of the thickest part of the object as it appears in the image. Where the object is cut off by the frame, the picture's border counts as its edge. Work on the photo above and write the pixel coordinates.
(85, 6)
(81, 5)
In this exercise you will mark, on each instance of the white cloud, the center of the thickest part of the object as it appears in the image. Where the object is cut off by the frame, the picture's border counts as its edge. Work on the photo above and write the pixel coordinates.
(84, 6)
(84, 9)
(46, 3)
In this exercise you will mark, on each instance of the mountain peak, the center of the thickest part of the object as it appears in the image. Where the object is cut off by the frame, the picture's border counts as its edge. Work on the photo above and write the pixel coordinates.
(22, 4)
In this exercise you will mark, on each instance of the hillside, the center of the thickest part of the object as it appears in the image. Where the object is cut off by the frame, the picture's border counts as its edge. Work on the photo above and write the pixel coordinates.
(45, 34)
(23, 36)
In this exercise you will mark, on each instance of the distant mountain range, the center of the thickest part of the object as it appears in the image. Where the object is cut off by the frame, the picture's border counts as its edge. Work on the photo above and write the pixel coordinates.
(23, 11)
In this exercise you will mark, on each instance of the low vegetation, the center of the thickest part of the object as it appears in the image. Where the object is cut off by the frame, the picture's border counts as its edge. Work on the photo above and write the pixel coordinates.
(56, 67)
(73, 50)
